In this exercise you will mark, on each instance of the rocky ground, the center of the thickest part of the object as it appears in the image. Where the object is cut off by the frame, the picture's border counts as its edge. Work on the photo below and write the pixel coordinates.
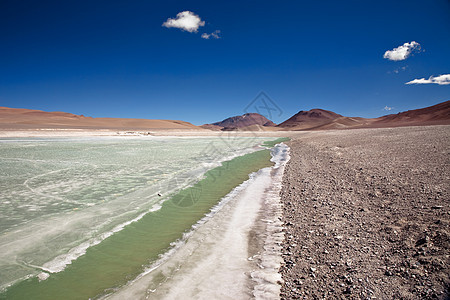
(366, 214)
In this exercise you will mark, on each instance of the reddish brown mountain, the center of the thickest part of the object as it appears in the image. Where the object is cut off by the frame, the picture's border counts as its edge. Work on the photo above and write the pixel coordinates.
(239, 122)
(438, 114)
(309, 119)
(319, 119)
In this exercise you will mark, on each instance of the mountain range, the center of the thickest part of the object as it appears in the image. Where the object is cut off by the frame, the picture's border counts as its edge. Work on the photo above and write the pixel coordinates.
(314, 119)
(320, 119)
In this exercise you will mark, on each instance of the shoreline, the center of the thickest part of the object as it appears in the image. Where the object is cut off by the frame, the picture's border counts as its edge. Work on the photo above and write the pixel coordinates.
(235, 253)
(366, 214)
(73, 132)
(38, 133)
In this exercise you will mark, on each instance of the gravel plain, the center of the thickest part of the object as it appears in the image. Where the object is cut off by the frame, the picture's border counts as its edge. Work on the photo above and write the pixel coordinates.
(366, 214)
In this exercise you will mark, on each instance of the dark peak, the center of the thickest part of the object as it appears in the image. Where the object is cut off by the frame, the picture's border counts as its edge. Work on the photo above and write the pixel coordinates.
(244, 120)
(313, 117)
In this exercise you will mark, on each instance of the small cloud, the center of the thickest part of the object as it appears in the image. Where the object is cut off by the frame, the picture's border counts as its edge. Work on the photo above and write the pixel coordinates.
(402, 52)
(441, 80)
(387, 108)
(214, 35)
(185, 20)
(398, 70)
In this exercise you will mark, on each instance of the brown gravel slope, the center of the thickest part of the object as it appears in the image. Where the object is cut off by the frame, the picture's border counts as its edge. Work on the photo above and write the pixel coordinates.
(366, 214)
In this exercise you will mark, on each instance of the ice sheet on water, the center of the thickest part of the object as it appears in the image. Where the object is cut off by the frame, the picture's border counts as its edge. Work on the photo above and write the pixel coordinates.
(60, 196)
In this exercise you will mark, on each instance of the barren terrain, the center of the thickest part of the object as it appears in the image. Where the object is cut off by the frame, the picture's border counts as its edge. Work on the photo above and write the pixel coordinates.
(366, 214)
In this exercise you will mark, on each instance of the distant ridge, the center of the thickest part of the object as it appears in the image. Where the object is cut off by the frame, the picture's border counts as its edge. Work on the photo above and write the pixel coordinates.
(28, 119)
(438, 114)
(241, 122)
(314, 119)
(320, 119)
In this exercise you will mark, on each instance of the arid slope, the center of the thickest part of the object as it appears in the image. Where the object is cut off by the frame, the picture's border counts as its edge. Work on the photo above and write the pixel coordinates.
(319, 119)
(27, 119)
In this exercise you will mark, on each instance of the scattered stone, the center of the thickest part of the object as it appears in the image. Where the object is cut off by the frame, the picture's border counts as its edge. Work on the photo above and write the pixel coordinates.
(373, 224)
(422, 241)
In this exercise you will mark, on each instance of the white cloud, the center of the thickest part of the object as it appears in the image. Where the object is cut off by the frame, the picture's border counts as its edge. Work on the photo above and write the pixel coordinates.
(402, 52)
(185, 20)
(388, 108)
(400, 69)
(214, 35)
(441, 80)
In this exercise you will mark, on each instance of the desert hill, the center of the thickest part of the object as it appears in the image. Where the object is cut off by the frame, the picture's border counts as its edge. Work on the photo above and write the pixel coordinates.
(438, 114)
(19, 119)
(309, 119)
(247, 120)
(319, 119)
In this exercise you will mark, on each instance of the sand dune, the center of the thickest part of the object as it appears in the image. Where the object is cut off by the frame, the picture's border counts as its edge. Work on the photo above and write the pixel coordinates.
(27, 119)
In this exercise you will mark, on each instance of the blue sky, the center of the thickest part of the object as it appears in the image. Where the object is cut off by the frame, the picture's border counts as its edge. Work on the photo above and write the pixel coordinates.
(116, 59)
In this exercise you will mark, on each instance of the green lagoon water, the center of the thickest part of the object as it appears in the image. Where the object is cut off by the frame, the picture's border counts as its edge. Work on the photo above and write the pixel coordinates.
(87, 211)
